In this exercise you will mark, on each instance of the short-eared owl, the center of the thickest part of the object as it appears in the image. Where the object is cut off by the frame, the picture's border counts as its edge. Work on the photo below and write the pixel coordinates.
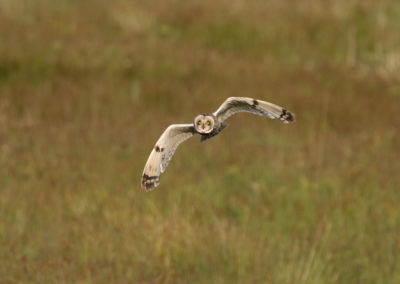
(207, 125)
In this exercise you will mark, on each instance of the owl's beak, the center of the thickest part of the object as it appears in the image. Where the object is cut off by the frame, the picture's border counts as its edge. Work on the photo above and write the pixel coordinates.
(203, 126)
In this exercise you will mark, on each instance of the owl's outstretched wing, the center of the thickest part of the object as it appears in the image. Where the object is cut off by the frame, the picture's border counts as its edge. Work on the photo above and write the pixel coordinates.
(163, 151)
(240, 104)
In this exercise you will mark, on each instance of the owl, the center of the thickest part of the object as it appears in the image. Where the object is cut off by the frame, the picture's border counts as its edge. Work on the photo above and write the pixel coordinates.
(207, 126)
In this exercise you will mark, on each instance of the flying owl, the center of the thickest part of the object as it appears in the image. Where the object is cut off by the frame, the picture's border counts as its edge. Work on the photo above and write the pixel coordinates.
(207, 125)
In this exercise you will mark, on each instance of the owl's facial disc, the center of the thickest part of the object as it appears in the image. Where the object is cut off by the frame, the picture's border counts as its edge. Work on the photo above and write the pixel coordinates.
(204, 124)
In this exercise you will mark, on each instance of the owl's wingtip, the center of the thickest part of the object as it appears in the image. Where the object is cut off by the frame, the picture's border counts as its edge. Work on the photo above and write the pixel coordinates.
(286, 116)
(150, 182)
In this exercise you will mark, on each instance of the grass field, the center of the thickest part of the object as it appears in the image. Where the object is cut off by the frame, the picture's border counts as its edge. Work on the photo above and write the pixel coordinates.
(87, 87)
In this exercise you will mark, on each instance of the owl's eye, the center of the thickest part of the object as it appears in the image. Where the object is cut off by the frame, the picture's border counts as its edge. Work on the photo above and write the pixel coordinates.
(208, 122)
(199, 122)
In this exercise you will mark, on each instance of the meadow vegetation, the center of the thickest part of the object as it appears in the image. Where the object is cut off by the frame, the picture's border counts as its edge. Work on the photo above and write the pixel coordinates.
(87, 87)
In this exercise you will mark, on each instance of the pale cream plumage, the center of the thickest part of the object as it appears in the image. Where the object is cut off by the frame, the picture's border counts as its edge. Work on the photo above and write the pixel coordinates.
(207, 125)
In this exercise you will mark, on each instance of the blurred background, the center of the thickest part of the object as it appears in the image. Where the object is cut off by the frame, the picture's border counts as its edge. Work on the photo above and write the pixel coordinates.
(87, 87)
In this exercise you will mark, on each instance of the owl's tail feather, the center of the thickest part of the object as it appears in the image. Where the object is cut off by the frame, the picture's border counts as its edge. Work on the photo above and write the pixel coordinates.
(215, 132)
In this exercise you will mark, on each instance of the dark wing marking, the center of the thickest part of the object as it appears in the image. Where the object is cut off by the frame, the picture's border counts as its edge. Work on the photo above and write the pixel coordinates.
(163, 151)
(240, 104)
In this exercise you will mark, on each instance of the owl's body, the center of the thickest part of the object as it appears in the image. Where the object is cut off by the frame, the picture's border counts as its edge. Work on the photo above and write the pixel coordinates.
(208, 126)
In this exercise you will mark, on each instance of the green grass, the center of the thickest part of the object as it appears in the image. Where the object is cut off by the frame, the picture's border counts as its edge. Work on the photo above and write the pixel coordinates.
(87, 87)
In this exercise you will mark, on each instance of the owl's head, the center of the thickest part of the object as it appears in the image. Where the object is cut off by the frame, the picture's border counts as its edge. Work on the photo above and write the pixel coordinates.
(204, 124)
